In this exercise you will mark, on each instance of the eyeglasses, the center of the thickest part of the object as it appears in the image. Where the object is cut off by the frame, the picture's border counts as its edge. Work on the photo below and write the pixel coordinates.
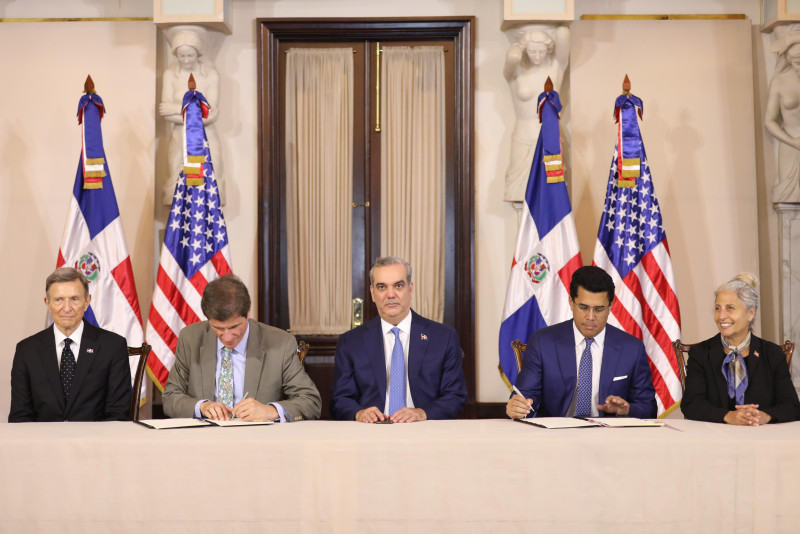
(598, 310)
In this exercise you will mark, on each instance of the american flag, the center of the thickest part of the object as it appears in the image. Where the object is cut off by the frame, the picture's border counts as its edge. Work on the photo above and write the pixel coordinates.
(547, 250)
(632, 247)
(94, 240)
(194, 253)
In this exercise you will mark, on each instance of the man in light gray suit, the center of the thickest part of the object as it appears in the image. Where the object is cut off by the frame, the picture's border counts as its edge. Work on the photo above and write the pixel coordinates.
(232, 366)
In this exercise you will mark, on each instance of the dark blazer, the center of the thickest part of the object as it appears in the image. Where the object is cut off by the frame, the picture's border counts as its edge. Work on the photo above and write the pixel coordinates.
(769, 383)
(101, 388)
(549, 371)
(435, 371)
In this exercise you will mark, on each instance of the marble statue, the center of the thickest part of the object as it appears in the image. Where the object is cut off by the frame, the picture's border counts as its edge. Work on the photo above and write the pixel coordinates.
(529, 61)
(188, 44)
(782, 115)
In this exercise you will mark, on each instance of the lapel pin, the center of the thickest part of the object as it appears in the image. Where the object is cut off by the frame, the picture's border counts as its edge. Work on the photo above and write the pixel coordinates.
(89, 351)
(423, 337)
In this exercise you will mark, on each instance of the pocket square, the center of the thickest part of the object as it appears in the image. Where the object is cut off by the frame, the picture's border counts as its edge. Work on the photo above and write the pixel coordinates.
(619, 378)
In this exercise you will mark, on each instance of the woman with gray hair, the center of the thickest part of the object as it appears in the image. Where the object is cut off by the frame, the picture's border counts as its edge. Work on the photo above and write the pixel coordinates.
(736, 377)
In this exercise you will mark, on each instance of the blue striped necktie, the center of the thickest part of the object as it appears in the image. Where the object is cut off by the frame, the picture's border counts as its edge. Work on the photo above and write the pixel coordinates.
(397, 375)
(583, 399)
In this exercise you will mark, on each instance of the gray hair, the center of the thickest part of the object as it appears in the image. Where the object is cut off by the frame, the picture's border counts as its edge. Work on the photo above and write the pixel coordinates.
(225, 298)
(385, 261)
(745, 287)
(66, 274)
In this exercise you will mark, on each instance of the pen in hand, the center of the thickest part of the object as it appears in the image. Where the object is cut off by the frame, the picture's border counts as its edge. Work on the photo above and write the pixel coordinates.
(243, 398)
(518, 392)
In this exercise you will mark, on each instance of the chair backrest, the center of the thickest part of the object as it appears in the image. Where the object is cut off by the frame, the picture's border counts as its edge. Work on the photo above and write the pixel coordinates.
(302, 350)
(518, 347)
(681, 348)
(143, 352)
(788, 351)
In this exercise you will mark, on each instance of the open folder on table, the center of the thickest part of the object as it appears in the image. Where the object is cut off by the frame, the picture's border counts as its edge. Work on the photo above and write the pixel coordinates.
(577, 422)
(625, 422)
(558, 422)
(191, 422)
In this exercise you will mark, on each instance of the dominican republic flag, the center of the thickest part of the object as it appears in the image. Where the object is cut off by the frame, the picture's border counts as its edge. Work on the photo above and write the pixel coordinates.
(547, 245)
(94, 241)
(632, 247)
(195, 249)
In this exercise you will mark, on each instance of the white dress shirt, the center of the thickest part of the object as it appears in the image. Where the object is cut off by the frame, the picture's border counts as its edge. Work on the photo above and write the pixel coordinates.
(76, 342)
(597, 361)
(388, 347)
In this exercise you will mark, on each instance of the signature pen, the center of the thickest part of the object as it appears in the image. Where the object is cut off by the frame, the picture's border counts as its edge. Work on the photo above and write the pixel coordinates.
(518, 392)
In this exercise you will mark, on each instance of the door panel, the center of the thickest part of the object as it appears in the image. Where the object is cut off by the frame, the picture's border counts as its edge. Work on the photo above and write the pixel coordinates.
(363, 35)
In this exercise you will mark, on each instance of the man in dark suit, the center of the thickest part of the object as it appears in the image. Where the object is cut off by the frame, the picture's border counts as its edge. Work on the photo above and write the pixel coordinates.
(71, 371)
(569, 367)
(400, 366)
(230, 365)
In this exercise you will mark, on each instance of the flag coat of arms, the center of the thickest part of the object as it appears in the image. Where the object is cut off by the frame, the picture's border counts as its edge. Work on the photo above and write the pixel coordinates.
(195, 249)
(547, 251)
(94, 240)
(632, 247)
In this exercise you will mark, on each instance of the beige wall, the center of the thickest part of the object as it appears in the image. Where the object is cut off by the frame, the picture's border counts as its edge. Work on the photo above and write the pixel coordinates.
(700, 147)
(40, 145)
(44, 67)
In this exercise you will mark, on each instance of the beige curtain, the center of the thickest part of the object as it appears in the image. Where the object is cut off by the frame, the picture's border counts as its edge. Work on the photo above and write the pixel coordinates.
(413, 168)
(319, 176)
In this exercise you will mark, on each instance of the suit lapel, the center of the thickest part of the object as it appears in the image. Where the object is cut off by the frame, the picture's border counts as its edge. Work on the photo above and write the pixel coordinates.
(86, 356)
(48, 359)
(565, 347)
(208, 364)
(374, 349)
(608, 364)
(715, 358)
(753, 361)
(255, 360)
(417, 348)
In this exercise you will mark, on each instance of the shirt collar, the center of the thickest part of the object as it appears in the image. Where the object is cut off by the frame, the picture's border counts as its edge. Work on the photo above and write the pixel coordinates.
(75, 336)
(404, 325)
(241, 348)
(599, 339)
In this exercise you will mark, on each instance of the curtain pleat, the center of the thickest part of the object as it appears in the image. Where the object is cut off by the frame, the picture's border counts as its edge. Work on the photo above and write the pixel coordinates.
(319, 183)
(413, 168)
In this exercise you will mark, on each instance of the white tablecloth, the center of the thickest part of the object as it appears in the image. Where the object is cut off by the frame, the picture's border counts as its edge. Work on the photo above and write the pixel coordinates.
(436, 476)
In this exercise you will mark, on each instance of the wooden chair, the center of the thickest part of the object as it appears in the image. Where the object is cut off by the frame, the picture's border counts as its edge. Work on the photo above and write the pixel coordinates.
(518, 347)
(302, 350)
(788, 351)
(143, 352)
(683, 348)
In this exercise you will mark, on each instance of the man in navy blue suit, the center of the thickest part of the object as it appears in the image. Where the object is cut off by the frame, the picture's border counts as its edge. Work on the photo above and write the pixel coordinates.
(399, 367)
(616, 361)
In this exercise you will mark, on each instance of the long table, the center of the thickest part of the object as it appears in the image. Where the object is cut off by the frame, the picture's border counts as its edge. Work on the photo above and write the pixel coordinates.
(436, 476)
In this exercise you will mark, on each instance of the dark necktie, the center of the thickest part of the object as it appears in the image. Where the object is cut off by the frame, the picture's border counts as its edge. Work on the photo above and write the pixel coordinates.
(67, 367)
(583, 399)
